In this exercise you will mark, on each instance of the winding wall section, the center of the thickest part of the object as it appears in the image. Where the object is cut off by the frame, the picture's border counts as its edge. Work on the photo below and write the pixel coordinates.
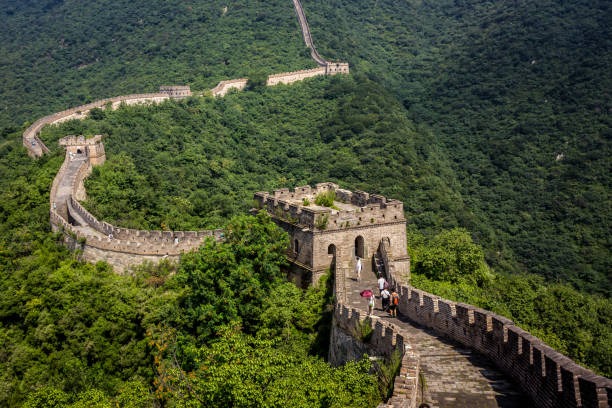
(299, 10)
(120, 247)
(551, 379)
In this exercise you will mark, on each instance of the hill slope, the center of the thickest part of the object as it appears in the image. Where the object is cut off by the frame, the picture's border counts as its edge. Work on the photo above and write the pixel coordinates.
(504, 88)
(518, 95)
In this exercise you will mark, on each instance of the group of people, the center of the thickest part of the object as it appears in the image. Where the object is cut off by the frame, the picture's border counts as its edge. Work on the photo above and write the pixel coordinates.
(389, 298)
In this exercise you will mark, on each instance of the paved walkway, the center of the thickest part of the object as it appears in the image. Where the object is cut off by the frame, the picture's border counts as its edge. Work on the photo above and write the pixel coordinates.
(455, 376)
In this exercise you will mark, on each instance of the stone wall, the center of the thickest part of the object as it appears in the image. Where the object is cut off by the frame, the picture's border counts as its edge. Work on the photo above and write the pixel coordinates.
(373, 209)
(79, 112)
(291, 77)
(127, 246)
(299, 11)
(176, 91)
(224, 86)
(385, 339)
(550, 378)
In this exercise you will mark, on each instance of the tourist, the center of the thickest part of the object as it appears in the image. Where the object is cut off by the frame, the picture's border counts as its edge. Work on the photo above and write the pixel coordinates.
(386, 297)
(371, 301)
(394, 303)
(382, 283)
(358, 269)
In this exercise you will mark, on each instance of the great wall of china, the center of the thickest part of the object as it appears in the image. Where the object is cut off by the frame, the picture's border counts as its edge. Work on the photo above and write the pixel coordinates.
(468, 356)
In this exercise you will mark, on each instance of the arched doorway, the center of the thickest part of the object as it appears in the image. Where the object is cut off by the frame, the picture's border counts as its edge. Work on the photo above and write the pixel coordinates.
(331, 251)
(359, 247)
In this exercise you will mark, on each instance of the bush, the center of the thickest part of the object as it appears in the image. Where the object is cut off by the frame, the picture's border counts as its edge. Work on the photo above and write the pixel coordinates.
(326, 199)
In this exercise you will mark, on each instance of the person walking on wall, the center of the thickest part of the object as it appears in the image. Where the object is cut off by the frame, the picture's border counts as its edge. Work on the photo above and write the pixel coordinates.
(386, 297)
(358, 269)
(382, 284)
(394, 303)
(371, 301)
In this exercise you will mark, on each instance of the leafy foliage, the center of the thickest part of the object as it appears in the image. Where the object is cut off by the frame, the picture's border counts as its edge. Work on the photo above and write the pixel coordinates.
(326, 199)
(516, 96)
(229, 281)
(242, 371)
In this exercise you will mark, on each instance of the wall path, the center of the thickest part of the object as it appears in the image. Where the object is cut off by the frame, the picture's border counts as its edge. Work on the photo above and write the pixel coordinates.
(299, 10)
(445, 331)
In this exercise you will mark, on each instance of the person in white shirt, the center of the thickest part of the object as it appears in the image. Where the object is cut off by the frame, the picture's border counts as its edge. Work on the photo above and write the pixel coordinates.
(381, 284)
(358, 269)
(371, 301)
(386, 296)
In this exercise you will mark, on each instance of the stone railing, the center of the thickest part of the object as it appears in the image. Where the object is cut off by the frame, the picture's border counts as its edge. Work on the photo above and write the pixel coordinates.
(550, 378)
(371, 209)
(224, 86)
(291, 77)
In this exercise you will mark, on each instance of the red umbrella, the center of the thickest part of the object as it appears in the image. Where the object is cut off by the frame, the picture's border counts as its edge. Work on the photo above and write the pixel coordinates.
(366, 293)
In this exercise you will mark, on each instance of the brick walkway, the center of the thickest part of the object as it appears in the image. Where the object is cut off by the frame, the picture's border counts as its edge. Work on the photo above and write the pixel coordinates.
(455, 376)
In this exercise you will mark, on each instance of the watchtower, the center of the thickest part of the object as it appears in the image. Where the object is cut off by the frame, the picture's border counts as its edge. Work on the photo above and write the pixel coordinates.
(327, 237)
(92, 148)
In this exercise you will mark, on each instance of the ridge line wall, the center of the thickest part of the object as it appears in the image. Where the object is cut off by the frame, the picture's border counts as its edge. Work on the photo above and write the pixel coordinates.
(299, 11)
(550, 378)
(32, 131)
(128, 246)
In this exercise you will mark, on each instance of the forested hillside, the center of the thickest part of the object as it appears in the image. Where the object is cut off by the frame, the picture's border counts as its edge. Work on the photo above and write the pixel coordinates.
(490, 120)
(518, 96)
(514, 94)
(214, 153)
(79, 335)
(57, 54)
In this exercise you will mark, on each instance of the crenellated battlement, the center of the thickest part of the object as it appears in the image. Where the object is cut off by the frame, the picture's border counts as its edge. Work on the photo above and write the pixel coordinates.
(549, 377)
(176, 91)
(353, 209)
(122, 247)
(386, 338)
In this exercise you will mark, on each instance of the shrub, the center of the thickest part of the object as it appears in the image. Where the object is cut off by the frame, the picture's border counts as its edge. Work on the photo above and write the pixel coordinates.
(326, 199)
(321, 222)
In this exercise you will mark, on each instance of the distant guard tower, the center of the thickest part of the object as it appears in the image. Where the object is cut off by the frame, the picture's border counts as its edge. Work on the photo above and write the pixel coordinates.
(324, 238)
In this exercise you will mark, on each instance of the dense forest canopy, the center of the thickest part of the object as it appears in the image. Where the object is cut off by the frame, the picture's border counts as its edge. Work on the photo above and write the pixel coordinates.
(58, 54)
(515, 95)
(216, 152)
(490, 120)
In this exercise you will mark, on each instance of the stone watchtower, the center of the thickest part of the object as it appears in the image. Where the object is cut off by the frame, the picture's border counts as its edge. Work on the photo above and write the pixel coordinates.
(92, 149)
(324, 237)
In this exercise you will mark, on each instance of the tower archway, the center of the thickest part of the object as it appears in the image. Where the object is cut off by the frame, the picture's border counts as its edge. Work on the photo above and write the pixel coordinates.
(359, 247)
(331, 252)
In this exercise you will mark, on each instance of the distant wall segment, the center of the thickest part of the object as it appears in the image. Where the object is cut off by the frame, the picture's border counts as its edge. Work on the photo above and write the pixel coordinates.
(120, 247)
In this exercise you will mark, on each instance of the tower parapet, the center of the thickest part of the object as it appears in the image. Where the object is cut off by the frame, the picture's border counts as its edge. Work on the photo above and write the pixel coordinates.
(92, 148)
(350, 209)
(351, 227)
